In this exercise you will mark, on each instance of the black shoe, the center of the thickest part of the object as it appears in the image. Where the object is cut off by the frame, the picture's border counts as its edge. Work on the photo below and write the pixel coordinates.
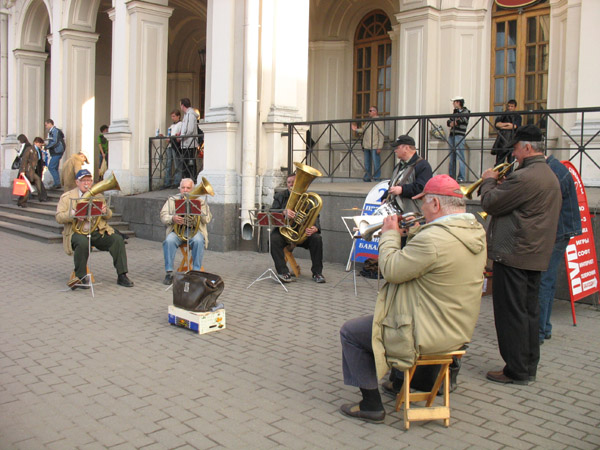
(285, 277)
(78, 284)
(21, 205)
(499, 377)
(168, 279)
(122, 280)
(548, 336)
(319, 278)
(388, 389)
(353, 410)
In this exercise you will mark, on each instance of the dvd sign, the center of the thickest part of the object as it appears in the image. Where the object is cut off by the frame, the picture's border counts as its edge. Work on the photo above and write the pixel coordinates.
(580, 256)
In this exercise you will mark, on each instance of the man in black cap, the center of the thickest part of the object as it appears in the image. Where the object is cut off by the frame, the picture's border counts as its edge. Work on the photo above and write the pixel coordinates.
(524, 208)
(103, 237)
(409, 177)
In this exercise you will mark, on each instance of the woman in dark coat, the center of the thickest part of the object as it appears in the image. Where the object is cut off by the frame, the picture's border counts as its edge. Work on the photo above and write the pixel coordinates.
(29, 162)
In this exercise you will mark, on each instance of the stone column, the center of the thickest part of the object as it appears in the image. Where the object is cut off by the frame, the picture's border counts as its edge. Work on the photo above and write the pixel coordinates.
(222, 131)
(138, 93)
(79, 83)
(284, 89)
(581, 35)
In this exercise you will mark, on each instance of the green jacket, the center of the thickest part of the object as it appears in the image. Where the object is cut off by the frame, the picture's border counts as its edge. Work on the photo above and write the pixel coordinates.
(431, 298)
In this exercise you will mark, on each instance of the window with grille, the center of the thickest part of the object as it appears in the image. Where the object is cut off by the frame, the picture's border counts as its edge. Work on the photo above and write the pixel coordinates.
(520, 44)
(372, 65)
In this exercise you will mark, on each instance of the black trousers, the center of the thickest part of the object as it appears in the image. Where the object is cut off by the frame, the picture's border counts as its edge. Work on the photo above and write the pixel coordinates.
(112, 243)
(313, 243)
(517, 317)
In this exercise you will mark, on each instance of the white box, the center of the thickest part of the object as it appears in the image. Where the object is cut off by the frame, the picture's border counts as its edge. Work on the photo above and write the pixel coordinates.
(199, 322)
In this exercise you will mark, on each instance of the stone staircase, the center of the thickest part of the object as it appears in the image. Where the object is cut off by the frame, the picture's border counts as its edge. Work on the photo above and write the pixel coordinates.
(37, 220)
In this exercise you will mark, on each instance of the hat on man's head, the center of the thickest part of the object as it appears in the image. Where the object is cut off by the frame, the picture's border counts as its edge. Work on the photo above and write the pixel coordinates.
(457, 98)
(405, 139)
(529, 133)
(82, 174)
(441, 185)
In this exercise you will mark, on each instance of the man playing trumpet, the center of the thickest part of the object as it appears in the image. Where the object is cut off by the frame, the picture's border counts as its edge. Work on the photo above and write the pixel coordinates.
(198, 242)
(103, 237)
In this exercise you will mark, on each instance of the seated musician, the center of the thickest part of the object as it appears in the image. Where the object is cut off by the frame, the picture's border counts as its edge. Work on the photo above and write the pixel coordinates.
(198, 242)
(103, 237)
(431, 298)
(314, 242)
(409, 176)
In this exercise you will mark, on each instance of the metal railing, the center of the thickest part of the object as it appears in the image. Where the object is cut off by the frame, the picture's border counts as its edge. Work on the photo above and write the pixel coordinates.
(336, 150)
(169, 163)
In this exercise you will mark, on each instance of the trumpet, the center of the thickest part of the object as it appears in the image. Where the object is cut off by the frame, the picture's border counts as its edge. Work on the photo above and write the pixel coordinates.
(368, 230)
(502, 169)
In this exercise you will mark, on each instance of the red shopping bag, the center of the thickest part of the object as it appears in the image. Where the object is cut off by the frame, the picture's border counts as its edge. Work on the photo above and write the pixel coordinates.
(20, 187)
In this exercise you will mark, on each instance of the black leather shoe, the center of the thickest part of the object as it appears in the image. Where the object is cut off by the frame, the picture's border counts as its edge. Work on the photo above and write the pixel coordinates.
(353, 410)
(78, 284)
(499, 377)
(388, 389)
(122, 280)
(168, 279)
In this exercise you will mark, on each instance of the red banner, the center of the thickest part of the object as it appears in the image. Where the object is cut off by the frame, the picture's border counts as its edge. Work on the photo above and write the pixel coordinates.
(516, 3)
(580, 256)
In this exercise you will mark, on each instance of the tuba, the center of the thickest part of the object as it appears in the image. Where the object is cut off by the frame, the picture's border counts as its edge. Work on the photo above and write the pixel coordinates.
(193, 222)
(110, 183)
(306, 205)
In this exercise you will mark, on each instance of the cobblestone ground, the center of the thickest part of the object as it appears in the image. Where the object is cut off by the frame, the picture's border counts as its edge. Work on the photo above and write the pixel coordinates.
(110, 372)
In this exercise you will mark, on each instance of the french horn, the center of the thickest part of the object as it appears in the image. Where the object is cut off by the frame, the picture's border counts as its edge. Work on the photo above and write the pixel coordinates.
(193, 222)
(109, 184)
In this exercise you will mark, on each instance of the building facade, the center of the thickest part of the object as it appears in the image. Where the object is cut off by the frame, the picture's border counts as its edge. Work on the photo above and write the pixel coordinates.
(250, 66)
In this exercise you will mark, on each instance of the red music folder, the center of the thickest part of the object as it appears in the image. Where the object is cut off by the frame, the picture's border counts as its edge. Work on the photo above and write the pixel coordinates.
(81, 209)
(278, 219)
(195, 207)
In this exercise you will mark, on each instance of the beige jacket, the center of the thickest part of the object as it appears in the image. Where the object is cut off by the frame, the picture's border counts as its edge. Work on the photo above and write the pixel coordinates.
(166, 216)
(63, 217)
(372, 136)
(432, 296)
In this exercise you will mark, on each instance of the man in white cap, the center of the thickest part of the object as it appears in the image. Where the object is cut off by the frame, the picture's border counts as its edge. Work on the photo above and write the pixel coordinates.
(431, 296)
(458, 130)
(103, 237)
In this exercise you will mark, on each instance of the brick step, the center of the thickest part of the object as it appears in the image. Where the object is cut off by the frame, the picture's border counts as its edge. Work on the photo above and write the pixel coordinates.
(39, 223)
(31, 233)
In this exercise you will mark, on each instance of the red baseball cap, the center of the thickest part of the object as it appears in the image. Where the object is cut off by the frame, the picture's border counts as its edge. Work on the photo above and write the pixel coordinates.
(441, 185)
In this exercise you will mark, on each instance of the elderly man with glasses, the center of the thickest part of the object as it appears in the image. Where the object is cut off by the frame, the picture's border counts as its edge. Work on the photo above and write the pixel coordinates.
(431, 298)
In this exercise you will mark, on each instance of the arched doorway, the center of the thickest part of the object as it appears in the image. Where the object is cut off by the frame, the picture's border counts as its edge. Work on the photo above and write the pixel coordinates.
(372, 64)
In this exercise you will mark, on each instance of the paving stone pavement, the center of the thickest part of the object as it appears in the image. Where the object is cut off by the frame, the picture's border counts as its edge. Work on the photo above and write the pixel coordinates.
(110, 372)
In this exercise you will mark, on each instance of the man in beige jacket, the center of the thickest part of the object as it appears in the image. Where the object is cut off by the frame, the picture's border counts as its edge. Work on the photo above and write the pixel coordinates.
(372, 143)
(431, 298)
(103, 238)
(198, 242)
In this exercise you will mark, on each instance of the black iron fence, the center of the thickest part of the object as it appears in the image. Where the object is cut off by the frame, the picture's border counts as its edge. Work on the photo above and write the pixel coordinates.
(169, 161)
(334, 148)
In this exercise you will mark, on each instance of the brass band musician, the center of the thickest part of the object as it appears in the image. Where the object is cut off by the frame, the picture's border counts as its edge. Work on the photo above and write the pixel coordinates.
(314, 242)
(409, 177)
(197, 242)
(103, 237)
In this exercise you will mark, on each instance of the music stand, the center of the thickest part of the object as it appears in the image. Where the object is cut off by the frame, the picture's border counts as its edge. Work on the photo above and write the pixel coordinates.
(354, 235)
(188, 205)
(268, 220)
(87, 209)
